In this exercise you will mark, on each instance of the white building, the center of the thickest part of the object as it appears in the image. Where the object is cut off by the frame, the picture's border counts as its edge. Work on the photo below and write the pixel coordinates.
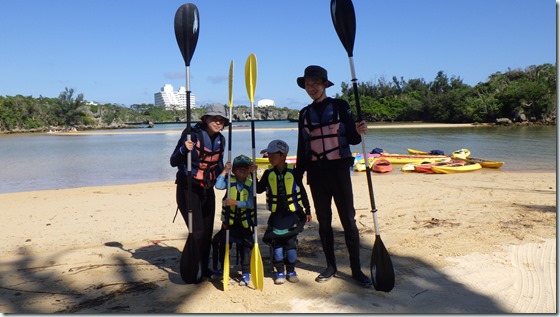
(265, 103)
(173, 99)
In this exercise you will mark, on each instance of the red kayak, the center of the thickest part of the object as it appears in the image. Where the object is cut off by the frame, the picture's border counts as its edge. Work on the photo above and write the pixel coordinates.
(381, 165)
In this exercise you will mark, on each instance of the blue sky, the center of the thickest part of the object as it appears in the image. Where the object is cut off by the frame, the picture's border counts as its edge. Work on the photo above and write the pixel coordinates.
(124, 51)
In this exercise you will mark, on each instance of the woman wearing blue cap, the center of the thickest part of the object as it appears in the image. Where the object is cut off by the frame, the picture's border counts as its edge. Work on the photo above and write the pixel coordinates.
(207, 151)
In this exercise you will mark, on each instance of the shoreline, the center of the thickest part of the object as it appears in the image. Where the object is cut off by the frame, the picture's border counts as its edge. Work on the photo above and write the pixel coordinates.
(382, 125)
(245, 129)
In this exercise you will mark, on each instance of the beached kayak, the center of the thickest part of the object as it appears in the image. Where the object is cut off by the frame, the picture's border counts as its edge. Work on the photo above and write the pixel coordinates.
(411, 158)
(461, 154)
(381, 165)
(359, 165)
(485, 163)
(416, 152)
(290, 159)
(411, 167)
(427, 167)
(456, 168)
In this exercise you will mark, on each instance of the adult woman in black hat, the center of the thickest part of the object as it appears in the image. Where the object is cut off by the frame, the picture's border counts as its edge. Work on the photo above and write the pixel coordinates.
(326, 129)
(207, 151)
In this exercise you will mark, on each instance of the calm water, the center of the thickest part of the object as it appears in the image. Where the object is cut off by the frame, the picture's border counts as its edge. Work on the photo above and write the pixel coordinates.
(53, 161)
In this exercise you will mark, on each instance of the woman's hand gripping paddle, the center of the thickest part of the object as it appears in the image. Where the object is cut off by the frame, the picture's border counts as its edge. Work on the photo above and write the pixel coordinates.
(186, 32)
(257, 270)
(230, 104)
(381, 267)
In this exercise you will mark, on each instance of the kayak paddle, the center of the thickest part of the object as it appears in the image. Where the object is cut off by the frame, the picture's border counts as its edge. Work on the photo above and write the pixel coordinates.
(257, 270)
(381, 267)
(186, 32)
(230, 104)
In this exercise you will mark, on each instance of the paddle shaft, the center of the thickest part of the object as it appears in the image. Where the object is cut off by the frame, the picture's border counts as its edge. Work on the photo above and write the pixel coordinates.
(189, 154)
(257, 271)
(360, 118)
(254, 172)
(227, 215)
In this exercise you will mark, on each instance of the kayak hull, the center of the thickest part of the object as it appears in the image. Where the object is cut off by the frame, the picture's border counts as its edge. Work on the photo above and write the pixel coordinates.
(263, 161)
(427, 167)
(406, 159)
(456, 168)
(381, 165)
(485, 163)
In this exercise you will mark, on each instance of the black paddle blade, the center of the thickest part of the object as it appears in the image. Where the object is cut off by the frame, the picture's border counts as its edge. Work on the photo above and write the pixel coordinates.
(344, 20)
(190, 266)
(186, 30)
(382, 272)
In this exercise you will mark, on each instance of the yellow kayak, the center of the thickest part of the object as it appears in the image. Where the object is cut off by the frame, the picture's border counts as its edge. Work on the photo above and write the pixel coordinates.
(290, 159)
(409, 158)
(461, 154)
(411, 167)
(456, 168)
(413, 151)
(485, 163)
(360, 166)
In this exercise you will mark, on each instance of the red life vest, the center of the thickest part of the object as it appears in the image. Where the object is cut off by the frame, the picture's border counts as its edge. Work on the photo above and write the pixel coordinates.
(208, 156)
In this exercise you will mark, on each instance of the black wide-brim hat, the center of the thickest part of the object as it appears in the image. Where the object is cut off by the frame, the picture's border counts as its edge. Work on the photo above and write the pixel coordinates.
(314, 71)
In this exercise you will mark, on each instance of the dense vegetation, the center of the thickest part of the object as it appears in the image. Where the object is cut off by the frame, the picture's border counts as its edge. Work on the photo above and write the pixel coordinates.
(520, 95)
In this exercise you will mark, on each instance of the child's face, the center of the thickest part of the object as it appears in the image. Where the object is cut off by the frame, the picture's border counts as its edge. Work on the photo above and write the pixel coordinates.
(276, 159)
(241, 172)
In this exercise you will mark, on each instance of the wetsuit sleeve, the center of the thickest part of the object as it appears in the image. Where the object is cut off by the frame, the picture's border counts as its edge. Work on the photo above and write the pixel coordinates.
(180, 152)
(301, 160)
(220, 165)
(221, 182)
(263, 182)
(304, 198)
(348, 119)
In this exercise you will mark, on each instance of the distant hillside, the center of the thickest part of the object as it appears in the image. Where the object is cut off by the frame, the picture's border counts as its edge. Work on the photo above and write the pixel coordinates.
(28, 114)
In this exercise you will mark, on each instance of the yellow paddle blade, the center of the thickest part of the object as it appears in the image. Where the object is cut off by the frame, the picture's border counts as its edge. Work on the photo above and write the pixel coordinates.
(230, 84)
(257, 269)
(251, 76)
(226, 268)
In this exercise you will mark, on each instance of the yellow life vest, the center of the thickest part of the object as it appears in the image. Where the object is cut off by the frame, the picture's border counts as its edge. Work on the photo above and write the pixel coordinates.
(244, 216)
(293, 194)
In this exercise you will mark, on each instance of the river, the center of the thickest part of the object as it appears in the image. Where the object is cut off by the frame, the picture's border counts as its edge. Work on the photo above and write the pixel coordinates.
(38, 161)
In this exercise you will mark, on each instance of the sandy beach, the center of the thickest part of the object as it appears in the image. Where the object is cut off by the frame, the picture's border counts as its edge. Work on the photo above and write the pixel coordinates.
(479, 242)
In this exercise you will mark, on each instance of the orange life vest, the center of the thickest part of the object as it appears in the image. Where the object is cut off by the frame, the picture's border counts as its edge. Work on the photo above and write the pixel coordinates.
(209, 153)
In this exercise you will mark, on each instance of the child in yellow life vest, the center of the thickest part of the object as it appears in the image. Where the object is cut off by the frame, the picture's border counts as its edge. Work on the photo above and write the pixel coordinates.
(237, 215)
(287, 201)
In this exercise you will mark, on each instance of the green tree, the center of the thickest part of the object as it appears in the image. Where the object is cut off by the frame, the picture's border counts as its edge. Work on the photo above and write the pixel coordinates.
(70, 110)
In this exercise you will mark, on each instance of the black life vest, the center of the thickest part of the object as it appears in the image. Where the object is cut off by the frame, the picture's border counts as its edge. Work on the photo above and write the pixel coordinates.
(324, 133)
